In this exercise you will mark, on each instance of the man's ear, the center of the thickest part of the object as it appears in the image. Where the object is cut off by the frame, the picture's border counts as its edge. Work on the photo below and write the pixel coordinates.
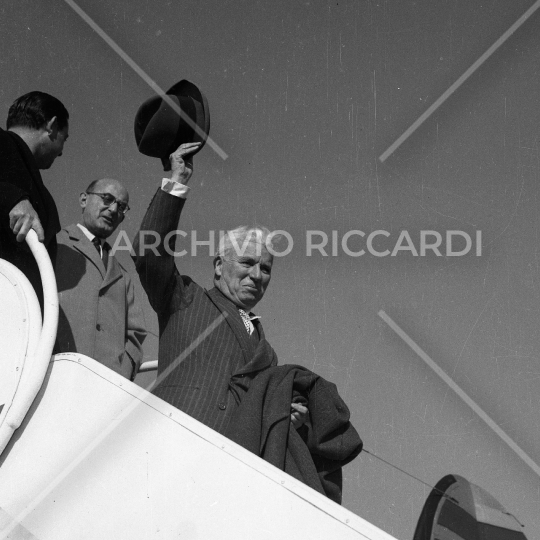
(83, 199)
(51, 127)
(218, 265)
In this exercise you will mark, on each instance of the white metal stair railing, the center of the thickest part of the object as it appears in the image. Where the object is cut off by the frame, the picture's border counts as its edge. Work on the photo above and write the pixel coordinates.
(151, 365)
(37, 361)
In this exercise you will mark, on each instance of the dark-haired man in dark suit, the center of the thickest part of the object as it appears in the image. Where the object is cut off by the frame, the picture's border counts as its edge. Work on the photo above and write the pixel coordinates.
(37, 128)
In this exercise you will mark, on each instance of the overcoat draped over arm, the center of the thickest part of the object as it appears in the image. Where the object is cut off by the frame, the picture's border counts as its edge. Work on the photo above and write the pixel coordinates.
(316, 453)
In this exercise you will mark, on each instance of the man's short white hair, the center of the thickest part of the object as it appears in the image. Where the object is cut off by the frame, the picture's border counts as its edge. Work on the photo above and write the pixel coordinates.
(238, 239)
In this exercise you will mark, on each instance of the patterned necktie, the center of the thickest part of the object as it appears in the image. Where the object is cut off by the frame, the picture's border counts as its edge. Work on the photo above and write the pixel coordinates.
(247, 321)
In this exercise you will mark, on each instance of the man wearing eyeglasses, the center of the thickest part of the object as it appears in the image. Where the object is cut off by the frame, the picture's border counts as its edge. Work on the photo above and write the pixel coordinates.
(98, 313)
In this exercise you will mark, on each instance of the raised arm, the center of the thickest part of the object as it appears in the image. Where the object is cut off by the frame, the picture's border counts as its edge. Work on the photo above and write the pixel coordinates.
(154, 257)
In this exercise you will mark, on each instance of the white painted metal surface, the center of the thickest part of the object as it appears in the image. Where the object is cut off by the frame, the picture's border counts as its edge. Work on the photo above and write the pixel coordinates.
(20, 329)
(26, 346)
(97, 457)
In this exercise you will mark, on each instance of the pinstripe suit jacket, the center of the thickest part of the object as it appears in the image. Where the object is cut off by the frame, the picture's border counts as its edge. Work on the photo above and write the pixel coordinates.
(203, 344)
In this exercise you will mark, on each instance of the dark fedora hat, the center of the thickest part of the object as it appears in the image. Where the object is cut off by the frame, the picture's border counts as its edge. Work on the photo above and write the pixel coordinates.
(160, 129)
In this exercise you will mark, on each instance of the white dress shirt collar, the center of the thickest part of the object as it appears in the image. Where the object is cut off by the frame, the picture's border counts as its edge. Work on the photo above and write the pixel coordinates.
(87, 233)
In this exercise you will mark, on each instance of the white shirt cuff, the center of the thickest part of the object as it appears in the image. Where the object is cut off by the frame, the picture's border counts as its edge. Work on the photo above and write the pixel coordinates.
(175, 188)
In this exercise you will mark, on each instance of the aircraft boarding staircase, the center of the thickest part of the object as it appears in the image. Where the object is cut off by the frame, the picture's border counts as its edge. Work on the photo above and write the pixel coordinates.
(87, 454)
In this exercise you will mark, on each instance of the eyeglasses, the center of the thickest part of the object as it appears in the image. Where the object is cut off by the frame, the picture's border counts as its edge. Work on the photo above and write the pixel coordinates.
(109, 200)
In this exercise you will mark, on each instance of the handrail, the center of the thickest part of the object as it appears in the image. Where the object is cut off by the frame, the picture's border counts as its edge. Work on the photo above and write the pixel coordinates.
(50, 296)
(151, 365)
(37, 361)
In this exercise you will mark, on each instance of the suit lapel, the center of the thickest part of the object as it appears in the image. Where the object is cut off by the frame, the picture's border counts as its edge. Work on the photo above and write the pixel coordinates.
(263, 357)
(84, 246)
(113, 272)
(259, 328)
(234, 321)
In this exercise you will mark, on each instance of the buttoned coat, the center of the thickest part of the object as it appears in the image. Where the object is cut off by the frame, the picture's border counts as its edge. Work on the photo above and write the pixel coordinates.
(98, 313)
(20, 179)
(203, 343)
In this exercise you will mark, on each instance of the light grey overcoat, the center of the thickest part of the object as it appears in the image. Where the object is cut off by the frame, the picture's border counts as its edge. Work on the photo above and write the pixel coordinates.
(98, 313)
